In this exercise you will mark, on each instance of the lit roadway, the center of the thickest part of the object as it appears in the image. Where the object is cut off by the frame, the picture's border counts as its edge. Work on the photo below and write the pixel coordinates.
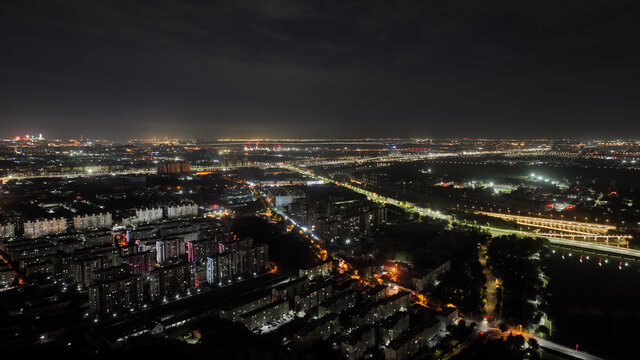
(494, 231)
(566, 350)
(408, 206)
(91, 173)
(375, 197)
(492, 291)
(615, 250)
(313, 162)
(196, 168)
(495, 333)
(484, 327)
(413, 208)
(76, 174)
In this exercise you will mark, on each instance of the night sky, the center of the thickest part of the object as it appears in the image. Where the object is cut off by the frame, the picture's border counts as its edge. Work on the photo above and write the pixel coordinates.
(290, 68)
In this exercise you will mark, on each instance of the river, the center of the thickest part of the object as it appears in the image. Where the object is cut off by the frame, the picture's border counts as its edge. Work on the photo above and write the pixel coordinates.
(595, 306)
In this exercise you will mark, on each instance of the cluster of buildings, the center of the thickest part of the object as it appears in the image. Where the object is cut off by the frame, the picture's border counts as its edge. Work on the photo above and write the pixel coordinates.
(343, 313)
(332, 214)
(234, 260)
(181, 262)
(42, 227)
(7, 230)
(238, 197)
(37, 228)
(123, 267)
(159, 254)
(7, 276)
(92, 221)
(151, 214)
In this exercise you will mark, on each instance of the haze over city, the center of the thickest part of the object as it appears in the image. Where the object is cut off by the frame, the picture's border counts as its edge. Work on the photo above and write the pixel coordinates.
(292, 68)
(303, 180)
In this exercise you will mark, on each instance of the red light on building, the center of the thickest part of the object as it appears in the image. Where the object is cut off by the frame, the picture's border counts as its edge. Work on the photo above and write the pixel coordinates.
(190, 255)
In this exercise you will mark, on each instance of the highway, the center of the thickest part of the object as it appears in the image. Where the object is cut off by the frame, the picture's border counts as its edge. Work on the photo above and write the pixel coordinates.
(313, 162)
(375, 197)
(408, 206)
(196, 168)
(411, 207)
(491, 296)
(610, 249)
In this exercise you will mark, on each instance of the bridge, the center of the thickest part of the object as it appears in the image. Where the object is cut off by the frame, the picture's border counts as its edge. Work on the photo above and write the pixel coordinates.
(574, 227)
(616, 249)
(614, 239)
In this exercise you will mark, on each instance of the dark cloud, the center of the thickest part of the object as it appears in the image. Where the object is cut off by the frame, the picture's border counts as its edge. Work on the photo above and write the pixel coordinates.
(319, 68)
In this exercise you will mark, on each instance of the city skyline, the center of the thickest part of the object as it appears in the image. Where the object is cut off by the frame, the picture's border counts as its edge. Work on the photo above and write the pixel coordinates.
(303, 180)
(258, 140)
(360, 248)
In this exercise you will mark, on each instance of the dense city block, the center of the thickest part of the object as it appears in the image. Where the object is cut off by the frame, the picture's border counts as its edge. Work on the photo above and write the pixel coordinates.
(410, 249)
